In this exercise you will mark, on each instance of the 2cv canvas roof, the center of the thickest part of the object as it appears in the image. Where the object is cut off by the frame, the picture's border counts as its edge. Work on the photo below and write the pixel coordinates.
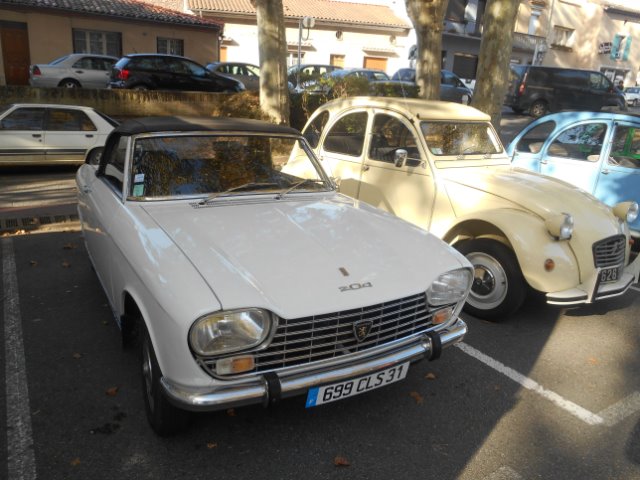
(418, 108)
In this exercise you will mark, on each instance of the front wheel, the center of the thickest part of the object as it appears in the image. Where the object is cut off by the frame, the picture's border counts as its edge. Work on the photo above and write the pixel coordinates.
(499, 288)
(69, 83)
(164, 418)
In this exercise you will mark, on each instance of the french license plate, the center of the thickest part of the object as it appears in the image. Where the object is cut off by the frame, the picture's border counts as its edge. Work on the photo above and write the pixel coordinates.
(356, 386)
(612, 274)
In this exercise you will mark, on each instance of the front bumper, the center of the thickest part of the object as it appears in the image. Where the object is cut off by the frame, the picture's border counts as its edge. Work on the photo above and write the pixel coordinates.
(272, 386)
(592, 290)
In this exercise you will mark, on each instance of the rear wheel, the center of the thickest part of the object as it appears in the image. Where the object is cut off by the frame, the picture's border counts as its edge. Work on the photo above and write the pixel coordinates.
(538, 108)
(498, 288)
(164, 418)
(69, 83)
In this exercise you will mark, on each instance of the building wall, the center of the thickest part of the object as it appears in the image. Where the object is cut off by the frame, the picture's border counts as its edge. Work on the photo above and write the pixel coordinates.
(593, 28)
(319, 43)
(137, 37)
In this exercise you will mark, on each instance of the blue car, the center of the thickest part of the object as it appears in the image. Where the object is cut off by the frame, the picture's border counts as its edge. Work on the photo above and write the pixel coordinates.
(596, 151)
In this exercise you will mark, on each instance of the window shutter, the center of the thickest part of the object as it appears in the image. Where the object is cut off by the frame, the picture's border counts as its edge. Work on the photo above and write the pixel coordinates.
(615, 47)
(627, 49)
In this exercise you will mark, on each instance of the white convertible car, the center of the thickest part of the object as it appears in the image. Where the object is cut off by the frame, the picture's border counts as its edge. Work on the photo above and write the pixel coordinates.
(244, 281)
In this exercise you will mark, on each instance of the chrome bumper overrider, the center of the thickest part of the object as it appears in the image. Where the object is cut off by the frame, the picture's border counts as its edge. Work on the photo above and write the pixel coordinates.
(270, 387)
(591, 290)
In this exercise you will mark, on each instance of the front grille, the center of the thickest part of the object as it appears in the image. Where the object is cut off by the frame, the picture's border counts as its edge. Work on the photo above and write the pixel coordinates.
(609, 252)
(305, 340)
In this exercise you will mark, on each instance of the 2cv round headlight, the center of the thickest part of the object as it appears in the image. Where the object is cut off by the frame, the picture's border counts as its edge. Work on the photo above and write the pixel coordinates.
(560, 226)
(626, 211)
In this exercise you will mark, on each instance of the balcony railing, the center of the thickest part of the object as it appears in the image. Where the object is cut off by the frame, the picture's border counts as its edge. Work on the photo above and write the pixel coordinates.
(523, 41)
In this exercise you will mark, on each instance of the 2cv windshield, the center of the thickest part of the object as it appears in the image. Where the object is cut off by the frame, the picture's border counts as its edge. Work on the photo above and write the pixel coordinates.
(459, 139)
(213, 166)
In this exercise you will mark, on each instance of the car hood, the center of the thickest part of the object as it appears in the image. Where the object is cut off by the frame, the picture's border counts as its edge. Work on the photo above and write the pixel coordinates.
(292, 256)
(483, 188)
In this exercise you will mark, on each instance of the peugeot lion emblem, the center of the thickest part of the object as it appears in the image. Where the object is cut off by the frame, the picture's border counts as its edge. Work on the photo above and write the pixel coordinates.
(361, 329)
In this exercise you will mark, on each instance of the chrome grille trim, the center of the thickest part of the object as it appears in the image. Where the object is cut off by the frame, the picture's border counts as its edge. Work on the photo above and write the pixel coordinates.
(609, 252)
(301, 341)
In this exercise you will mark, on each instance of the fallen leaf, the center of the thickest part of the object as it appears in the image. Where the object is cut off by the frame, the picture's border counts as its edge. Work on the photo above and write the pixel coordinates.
(212, 445)
(69, 246)
(593, 361)
(430, 376)
(75, 462)
(65, 264)
(77, 355)
(339, 461)
(112, 392)
(33, 263)
(417, 397)
(231, 412)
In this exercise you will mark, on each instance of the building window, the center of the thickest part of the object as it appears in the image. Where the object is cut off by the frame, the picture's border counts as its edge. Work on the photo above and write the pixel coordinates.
(337, 60)
(92, 41)
(563, 37)
(223, 54)
(172, 46)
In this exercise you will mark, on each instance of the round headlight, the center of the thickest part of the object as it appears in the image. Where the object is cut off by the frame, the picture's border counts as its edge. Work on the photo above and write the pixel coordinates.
(229, 331)
(560, 226)
(627, 211)
(450, 287)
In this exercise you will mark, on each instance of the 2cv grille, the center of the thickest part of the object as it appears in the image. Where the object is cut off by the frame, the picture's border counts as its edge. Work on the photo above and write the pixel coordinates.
(609, 252)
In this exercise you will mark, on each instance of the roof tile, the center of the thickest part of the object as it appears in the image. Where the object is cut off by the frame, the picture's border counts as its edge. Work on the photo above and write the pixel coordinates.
(326, 10)
(131, 9)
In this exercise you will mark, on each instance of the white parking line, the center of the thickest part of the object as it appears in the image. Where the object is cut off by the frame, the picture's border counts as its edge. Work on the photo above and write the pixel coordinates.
(21, 461)
(609, 417)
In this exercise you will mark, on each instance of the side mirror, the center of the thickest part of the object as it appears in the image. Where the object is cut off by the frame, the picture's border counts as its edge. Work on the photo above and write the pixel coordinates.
(400, 157)
(94, 156)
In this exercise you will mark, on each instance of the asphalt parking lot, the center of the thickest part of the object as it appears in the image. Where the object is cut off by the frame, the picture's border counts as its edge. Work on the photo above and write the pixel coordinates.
(548, 394)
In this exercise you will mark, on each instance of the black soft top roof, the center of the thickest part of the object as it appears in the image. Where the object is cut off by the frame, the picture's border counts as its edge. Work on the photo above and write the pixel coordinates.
(190, 124)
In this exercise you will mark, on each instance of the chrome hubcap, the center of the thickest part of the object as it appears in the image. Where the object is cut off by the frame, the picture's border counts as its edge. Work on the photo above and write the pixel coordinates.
(490, 285)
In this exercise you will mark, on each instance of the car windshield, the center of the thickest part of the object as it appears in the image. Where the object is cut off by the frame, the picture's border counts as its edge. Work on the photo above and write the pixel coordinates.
(460, 138)
(215, 166)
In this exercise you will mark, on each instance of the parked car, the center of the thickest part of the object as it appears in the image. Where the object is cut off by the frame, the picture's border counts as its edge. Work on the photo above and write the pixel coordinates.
(150, 71)
(73, 71)
(375, 82)
(308, 73)
(246, 73)
(598, 152)
(441, 166)
(225, 250)
(632, 96)
(452, 88)
(540, 90)
(41, 134)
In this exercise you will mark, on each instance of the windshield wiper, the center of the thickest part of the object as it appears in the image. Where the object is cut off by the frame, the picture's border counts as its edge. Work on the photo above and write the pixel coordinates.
(233, 189)
(296, 185)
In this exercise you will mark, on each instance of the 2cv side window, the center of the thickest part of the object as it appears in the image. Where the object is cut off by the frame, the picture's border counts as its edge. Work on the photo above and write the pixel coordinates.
(388, 135)
(114, 163)
(625, 147)
(532, 141)
(347, 135)
(314, 130)
(581, 142)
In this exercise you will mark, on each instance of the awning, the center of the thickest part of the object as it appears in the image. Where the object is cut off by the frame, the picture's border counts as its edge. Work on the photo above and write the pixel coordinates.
(383, 51)
(621, 9)
(306, 46)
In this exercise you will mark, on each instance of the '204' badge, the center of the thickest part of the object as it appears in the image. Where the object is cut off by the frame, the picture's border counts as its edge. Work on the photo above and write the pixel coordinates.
(355, 286)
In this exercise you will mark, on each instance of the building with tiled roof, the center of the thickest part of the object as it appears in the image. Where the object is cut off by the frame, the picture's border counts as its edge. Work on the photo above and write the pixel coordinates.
(345, 33)
(39, 31)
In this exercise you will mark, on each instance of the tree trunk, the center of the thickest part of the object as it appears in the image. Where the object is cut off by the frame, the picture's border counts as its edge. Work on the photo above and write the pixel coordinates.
(492, 77)
(427, 17)
(274, 91)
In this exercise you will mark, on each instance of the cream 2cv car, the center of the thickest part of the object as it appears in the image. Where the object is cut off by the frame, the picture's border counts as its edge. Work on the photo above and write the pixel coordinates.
(245, 278)
(442, 167)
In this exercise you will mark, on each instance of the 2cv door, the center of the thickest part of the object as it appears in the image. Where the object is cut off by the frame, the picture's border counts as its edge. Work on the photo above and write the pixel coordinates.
(376, 156)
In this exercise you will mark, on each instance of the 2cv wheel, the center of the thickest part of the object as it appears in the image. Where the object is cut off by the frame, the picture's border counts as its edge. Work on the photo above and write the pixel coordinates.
(164, 418)
(499, 288)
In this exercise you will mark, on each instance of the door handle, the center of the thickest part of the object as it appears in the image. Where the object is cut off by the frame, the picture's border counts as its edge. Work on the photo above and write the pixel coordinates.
(89, 135)
(365, 168)
(36, 135)
(543, 162)
(79, 71)
(605, 172)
